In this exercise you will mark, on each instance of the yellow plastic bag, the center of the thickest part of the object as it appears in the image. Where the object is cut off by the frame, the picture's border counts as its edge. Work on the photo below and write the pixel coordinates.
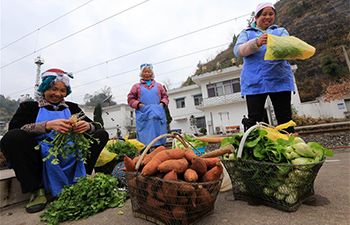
(105, 157)
(274, 132)
(288, 47)
(136, 143)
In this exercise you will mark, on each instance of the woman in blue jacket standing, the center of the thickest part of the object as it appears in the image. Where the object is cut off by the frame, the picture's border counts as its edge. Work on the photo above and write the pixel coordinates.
(260, 78)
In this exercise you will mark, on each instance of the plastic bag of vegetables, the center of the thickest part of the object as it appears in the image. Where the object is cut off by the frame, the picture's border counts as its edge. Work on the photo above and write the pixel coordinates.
(287, 47)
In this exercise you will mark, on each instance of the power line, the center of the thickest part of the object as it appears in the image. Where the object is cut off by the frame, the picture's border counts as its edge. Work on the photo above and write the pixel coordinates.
(46, 24)
(167, 60)
(159, 43)
(74, 34)
(136, 69)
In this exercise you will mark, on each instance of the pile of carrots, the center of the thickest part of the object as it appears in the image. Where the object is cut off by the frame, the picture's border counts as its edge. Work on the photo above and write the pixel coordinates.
(174, 184)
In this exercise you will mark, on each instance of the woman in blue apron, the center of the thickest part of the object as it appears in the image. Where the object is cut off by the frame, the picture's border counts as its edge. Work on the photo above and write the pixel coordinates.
(36, 121)
(261, 78)
(149, 98)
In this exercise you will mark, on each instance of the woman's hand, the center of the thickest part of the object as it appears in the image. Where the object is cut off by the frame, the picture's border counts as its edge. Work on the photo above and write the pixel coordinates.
(262, 40)
(81, 126)
(60, 125)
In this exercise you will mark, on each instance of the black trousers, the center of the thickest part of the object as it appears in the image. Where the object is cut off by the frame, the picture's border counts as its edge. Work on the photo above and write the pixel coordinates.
(281, 102)
(18, 148)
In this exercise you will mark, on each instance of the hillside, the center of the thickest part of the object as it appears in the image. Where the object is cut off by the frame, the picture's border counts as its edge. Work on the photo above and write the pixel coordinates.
(324, 25)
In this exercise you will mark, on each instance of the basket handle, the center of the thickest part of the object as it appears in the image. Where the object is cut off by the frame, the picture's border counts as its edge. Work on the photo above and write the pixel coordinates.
(173, 135)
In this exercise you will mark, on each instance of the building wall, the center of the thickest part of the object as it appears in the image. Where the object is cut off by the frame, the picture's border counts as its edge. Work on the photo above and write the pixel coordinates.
(114, 117)
(321, 109)
(181, 116)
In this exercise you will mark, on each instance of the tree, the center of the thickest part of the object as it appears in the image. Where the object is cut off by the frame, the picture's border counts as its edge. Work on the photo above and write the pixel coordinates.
(337, 90)
(331, 68)
(104, 97)
(8, 108)
(98, 114)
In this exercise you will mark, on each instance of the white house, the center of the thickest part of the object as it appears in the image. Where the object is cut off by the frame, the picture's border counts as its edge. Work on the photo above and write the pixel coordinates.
(115, 117)
(215, 101)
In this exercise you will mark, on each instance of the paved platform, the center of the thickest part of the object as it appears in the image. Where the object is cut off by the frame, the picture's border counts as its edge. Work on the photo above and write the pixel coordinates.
(330, 205)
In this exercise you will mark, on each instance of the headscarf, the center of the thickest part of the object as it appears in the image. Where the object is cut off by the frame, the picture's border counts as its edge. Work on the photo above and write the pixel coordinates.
(51, 76)
(260, 7)
(144, 66)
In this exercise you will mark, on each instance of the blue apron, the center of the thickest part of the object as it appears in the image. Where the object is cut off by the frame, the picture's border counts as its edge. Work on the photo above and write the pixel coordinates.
(68, 170)
(151, 118)
(261, 76)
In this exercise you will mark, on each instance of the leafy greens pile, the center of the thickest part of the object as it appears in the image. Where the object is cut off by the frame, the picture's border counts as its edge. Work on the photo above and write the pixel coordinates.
(259, 147)
(85, 198)
(121, 148)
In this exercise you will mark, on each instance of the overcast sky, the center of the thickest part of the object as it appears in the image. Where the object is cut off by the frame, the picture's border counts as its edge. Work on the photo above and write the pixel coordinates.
(103, 42)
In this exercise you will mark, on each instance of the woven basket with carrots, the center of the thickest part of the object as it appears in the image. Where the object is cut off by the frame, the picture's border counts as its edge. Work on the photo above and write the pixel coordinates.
(174, 186)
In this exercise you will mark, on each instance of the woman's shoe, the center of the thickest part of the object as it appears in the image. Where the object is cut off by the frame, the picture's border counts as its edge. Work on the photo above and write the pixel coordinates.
(37, 201)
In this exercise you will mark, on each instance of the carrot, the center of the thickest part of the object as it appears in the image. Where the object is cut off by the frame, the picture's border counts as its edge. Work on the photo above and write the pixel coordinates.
(154, 203)
(160, 195)
(188, 191)
(172, 175)
(211, 162)
(129, 164)
(169, 188)
(179, 213)
(199, 166)
(213, 174)
(190, 175)
(190, 154)
(152, 154)
(179, 165)
(151, 167)
(204, 198)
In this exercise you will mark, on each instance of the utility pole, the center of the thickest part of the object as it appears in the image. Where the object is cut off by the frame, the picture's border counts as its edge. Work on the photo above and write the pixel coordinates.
(346, 56)
(38, 61)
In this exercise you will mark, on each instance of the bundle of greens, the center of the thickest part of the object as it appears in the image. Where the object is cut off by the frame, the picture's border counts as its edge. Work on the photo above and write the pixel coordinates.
(121, 148)
(69, 143)
(259, 147)
(192, 140)
(85, 198)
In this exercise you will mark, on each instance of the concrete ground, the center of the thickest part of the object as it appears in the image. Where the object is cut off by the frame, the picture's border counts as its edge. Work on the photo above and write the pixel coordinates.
(330, 205)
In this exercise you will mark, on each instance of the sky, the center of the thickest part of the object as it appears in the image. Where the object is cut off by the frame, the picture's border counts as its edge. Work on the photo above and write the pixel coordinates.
(104, 42)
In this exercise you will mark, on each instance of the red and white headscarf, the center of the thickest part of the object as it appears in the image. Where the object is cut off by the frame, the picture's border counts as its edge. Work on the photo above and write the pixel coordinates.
(59, 74)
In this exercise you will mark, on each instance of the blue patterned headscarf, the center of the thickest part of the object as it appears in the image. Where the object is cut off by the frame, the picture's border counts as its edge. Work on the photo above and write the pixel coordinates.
(144, 66)
(51, 76)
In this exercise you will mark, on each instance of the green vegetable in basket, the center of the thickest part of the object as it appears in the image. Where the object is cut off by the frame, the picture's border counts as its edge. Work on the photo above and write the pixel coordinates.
(268, 191)
(279, 196)
(292, 198)
(303, 149)
(121, 148)
(284, 189)
(302, 160)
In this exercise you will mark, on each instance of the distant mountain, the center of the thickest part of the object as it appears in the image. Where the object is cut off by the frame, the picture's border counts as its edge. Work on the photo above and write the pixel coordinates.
(322, 24)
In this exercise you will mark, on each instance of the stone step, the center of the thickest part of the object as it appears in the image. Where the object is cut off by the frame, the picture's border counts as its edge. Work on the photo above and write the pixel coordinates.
(10, 189)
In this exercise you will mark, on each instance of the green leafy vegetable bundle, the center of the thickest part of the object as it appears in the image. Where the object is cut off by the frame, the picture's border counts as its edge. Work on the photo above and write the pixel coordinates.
(192, 140)
(85, 198)
(259, 147)
(121, 148)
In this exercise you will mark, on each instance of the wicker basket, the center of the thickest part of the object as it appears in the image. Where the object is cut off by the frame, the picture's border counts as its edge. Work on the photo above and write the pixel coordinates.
(281, 186)
(170, 202)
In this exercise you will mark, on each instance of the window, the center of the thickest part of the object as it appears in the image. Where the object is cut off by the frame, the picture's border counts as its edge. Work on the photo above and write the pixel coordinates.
(180, 103)
(224, 88)
(198, 99)
(200, 122)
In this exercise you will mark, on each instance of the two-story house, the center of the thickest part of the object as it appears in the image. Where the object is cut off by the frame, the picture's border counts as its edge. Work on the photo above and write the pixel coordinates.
(215, 101)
